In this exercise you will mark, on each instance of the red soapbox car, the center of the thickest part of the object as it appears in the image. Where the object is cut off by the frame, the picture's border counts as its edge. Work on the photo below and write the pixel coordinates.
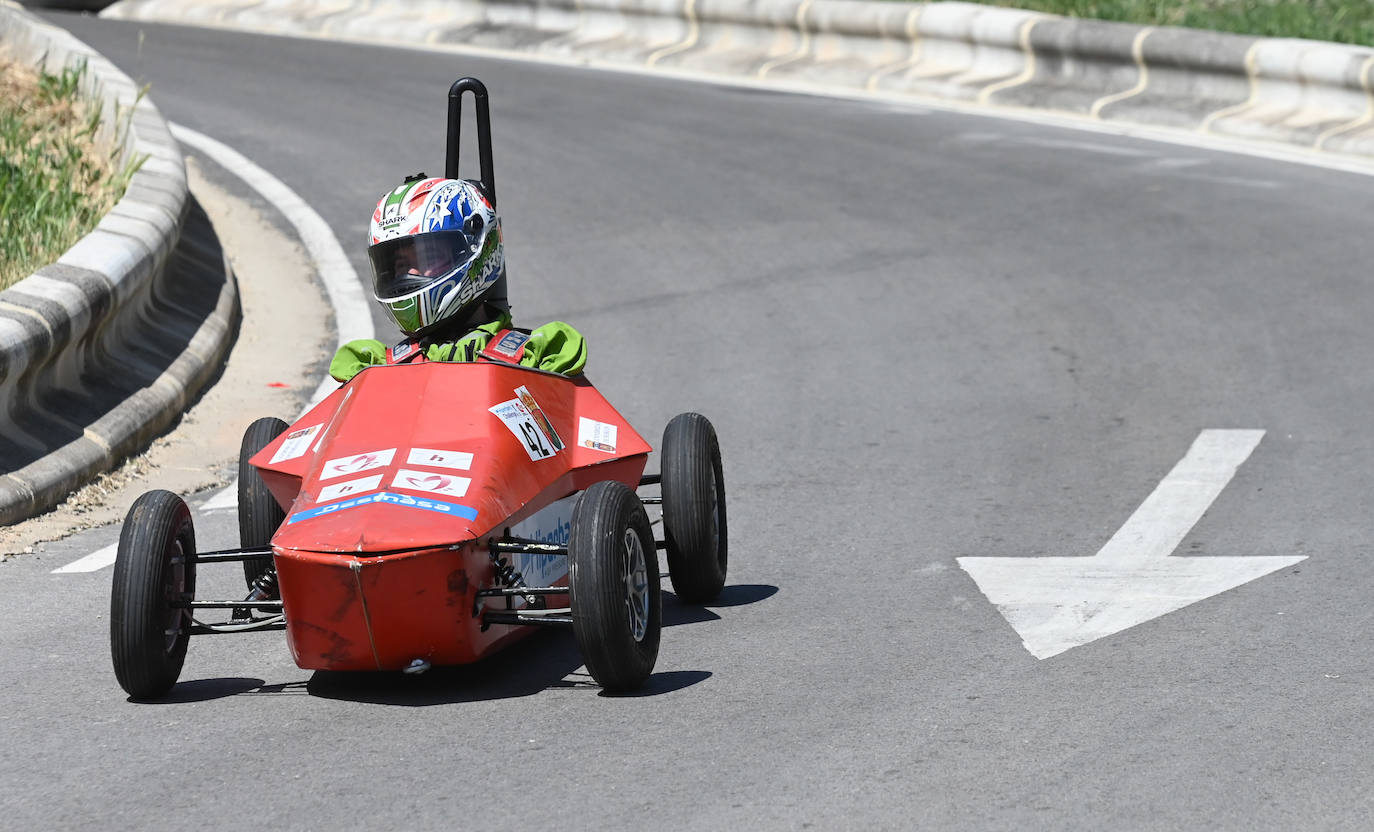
(431, 514)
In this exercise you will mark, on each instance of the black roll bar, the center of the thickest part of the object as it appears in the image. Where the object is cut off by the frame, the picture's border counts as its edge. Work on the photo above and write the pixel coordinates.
(455, 129)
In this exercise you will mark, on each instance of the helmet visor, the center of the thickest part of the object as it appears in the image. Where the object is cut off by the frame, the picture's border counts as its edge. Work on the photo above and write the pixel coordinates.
(406, 265)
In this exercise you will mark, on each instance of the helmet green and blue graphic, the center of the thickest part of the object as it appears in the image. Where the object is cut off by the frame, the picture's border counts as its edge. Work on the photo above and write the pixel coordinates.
(436, 252)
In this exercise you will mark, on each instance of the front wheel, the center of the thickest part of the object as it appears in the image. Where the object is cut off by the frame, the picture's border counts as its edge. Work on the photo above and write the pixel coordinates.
(259, 513)
(154, 577)
(617, 610)
(694, 508)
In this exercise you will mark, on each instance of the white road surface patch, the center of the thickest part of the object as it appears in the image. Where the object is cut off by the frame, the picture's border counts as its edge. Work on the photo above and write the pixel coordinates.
(97, 560)
(1099, 148)
(343, 286)
(1058, 603)
(223, 500)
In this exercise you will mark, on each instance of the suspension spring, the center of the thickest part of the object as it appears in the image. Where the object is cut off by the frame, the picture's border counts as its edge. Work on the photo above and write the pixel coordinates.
(264, 586)
(264, 589)
(505, 573)
(506, 577)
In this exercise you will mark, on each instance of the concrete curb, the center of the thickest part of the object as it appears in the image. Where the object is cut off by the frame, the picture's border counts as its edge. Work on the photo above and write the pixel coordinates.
(102, 350)
(1314, 95)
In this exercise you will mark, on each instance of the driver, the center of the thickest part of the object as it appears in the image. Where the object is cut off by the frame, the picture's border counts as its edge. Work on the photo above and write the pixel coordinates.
(439, 270)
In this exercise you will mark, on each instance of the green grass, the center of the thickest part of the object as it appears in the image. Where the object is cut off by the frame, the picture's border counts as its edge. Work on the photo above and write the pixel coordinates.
(56, 180)
(1343, 21)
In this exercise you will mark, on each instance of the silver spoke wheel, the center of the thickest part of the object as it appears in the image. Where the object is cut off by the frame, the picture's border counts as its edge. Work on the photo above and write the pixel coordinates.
(636, 586)
(715, 516)
(175, 595)
(617, 612)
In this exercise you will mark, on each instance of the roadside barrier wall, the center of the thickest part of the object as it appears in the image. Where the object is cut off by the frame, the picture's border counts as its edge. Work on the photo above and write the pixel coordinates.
(104, 349)
(1305, 93)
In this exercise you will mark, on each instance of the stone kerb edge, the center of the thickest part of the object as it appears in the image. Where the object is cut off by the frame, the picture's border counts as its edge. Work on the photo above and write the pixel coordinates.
(83, 312)
(1315, 95)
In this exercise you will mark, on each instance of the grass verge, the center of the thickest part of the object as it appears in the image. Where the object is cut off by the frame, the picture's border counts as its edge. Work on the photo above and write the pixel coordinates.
(56, 179)
(1342, 21)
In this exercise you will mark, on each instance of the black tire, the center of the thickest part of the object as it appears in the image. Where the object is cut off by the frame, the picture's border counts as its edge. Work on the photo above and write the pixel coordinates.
(694, 508)
(259, 513)
(155, 565)
(617, 610)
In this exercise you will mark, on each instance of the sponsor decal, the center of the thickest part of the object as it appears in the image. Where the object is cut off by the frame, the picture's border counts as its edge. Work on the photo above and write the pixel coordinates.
(527, 399)
(356, 464)
(551, 524)
(351, 488)
(405, 500)
(456, 460)
(453, 486)
(296, 443)
(518, 420)
(400, 351)
(596, 435)
(510, 344)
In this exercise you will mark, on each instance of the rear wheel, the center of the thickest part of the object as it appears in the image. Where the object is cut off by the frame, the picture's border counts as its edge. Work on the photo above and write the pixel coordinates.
(694, 508)
(617, 611)
(259, 513)
(155, 569)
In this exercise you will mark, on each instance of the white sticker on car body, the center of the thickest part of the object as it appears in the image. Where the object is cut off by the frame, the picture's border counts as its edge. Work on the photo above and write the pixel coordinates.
(537, 413)
(356, 464)
(339, 490)
(518, 420)
(296, 444)
(457, 460)
(597, 435)
(431, 482)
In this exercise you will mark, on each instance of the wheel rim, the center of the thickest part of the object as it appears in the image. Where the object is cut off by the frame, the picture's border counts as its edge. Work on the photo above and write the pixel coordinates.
(174, 591)
(715, 519)
(636, 586)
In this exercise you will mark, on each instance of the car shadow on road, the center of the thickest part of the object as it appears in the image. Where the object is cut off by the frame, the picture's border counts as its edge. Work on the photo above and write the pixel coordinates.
(546, 660)
(676, 613)
(205, 690)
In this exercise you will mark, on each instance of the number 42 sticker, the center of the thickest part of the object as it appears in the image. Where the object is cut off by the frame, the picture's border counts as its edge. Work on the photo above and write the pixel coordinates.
(518, 419)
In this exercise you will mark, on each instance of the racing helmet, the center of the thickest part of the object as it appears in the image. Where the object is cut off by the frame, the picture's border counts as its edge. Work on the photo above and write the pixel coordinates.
(436, 255)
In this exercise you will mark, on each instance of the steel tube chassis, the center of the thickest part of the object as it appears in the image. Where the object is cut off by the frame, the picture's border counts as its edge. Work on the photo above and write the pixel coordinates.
(532, 617)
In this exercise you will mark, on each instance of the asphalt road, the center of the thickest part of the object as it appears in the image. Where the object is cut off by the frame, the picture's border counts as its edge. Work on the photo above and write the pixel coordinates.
(922, 336)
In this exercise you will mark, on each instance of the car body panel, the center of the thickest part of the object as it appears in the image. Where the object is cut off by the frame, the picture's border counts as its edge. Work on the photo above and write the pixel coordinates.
(394, 484)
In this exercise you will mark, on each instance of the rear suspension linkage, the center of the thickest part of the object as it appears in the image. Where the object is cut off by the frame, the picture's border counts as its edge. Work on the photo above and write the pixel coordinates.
(510, 585)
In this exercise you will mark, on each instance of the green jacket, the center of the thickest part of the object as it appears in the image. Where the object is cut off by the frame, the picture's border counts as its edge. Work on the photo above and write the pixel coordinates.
(555, 347)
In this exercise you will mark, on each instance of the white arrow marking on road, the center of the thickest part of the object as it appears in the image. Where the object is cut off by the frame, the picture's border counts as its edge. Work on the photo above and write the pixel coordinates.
(1056, 603)
(95, 561)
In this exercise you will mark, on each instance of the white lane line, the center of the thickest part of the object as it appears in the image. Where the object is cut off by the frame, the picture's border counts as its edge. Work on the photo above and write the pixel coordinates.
(352, 312)
(343, 286)
(99, 559)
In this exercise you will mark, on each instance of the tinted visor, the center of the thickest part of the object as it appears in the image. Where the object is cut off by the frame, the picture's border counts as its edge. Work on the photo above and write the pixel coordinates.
(406, 265)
